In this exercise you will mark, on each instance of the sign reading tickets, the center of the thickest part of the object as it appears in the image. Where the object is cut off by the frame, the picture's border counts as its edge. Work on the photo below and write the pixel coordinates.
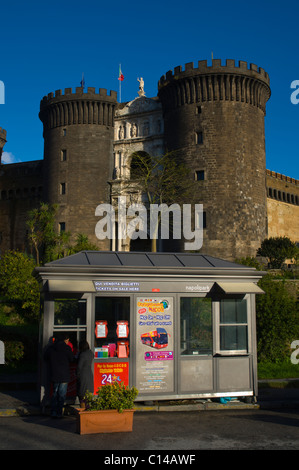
(154, 344)
(110, 372)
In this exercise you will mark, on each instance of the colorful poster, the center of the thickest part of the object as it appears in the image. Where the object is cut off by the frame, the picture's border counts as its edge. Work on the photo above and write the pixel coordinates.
(109, 372)
(154, 344)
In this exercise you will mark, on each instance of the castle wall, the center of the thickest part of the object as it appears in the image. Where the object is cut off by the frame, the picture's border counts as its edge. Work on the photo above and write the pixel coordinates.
(282, 206)
(213, 115)
(20, 191)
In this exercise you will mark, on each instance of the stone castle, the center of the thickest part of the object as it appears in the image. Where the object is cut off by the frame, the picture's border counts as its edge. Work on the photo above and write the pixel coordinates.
(214, 115)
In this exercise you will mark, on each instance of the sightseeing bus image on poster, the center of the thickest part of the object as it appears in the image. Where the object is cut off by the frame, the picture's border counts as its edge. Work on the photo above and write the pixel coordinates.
(156, 339)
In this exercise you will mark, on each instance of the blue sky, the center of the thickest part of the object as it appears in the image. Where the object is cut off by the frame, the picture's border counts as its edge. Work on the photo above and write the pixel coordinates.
(47, 46)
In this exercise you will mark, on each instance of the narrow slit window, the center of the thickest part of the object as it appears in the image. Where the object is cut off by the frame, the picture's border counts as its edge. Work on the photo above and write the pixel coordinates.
(61, 227)
(62, 188)
(199, 138)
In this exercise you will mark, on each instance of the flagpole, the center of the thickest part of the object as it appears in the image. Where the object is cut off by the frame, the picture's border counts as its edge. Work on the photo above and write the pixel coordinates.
(120, 86)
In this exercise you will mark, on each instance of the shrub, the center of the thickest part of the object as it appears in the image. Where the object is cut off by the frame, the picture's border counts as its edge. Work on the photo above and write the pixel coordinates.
(114, 396)
(17, 284)
(277, 320)
(14, 352)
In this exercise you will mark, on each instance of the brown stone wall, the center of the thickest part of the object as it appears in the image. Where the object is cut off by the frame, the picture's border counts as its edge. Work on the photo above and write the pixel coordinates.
(20, 191)
(283, 220)
(282, 206)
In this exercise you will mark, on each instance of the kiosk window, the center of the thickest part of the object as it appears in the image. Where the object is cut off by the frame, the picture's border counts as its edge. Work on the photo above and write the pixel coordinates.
(70, 318)
(233, 325)
(112, 316)
(196, 326)
(70, 312)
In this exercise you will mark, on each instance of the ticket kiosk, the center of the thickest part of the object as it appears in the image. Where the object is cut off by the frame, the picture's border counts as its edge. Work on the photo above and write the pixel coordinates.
(175, 325)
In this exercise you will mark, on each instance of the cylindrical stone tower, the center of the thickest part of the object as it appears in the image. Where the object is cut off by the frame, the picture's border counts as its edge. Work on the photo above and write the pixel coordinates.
(215, 116)
(78, 156)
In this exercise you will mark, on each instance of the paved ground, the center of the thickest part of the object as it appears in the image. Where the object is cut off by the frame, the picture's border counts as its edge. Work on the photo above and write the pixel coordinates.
(173, 431)
(155, 434)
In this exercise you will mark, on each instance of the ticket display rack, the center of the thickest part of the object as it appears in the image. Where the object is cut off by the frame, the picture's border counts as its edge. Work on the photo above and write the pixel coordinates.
(118, 346)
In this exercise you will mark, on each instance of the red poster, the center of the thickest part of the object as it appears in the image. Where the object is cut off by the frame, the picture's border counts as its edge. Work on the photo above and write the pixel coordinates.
(109, 372)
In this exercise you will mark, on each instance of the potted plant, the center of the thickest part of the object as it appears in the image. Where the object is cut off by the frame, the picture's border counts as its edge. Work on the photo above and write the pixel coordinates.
(110, 410)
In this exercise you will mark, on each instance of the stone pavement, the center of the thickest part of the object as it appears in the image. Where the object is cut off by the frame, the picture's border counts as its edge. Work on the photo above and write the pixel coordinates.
(19, 397)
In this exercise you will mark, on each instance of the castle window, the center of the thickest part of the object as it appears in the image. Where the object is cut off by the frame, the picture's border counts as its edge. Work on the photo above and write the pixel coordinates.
(199, 138)
(199, 175)
(61, 227)
(63, 155)
(198, 109)
(62, 188)
(64, 132)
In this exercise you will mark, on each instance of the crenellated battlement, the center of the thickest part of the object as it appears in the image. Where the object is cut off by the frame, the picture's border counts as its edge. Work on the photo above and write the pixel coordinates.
(279, 176)
(243, 68)
(244, 83)
(79, 107)
(79, 94)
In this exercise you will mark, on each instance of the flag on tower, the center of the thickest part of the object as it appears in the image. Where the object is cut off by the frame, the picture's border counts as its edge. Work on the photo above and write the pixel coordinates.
(120, 75)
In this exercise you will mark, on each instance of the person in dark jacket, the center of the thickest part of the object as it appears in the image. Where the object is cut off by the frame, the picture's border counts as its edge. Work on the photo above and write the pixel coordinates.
(60, 356)
(84, 370)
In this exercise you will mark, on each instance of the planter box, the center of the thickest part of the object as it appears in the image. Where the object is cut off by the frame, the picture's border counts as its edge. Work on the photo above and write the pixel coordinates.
(104, 421)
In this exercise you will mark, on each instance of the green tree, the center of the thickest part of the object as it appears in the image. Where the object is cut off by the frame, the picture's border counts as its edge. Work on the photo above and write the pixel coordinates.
(277, 320)
(41, 234)
(17, 284)
(161, 179)
(82, 244)
(277, 250)
(251, 262)
(47, 244)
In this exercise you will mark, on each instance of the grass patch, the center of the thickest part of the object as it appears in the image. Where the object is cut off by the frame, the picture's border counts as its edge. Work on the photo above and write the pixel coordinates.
(283, 370)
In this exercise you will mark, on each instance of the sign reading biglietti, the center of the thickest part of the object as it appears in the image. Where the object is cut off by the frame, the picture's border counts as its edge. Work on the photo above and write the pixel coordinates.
(116, 286)
(158, 286)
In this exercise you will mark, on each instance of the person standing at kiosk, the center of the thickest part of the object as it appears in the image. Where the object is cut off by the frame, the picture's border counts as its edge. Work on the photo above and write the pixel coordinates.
(84, 370)
(60, 356)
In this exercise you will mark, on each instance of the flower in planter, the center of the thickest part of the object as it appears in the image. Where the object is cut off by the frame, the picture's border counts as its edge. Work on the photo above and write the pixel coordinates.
(114, 396)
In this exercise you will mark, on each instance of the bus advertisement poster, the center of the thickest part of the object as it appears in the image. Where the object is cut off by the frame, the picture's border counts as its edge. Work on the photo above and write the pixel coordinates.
(154, 344)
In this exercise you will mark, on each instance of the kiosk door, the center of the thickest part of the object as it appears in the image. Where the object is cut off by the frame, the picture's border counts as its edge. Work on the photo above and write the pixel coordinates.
(154, 345)
(196, 345)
